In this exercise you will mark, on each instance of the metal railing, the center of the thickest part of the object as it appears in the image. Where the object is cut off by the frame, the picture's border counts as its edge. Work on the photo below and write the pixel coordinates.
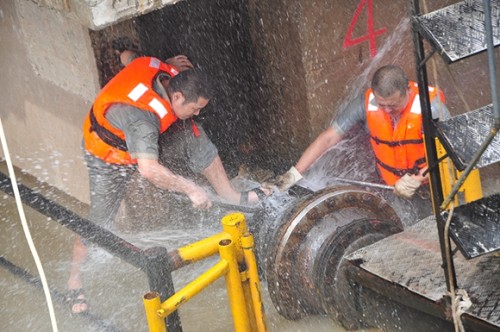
(235, 245)
(154, 262)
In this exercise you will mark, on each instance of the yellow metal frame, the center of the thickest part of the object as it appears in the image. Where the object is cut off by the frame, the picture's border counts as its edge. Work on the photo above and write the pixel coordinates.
(471, 188)
(238, 265)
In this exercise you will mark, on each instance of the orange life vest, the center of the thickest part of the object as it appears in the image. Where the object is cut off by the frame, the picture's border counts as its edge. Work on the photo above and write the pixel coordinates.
(133, 85)
(398, 150)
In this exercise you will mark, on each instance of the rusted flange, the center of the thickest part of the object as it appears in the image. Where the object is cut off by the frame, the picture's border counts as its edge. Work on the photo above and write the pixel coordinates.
(312, 239)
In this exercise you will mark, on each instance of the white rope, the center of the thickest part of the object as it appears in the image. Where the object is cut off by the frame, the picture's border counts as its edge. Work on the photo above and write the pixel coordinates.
(460, 300)
(26, 228)
(463, 302)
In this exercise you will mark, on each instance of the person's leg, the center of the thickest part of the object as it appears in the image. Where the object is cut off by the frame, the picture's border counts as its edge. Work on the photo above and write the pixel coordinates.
(107, 187)
(76, 297)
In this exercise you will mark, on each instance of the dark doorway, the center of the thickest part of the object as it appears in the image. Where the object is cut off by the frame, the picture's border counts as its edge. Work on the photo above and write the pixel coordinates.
(215, 35)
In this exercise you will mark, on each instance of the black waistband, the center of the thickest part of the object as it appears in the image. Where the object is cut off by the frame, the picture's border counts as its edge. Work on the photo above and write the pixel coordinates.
(104, 134)
(402, 171)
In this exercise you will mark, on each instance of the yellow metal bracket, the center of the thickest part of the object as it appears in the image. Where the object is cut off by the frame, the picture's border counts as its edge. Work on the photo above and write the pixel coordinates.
(238, 265)
(471, 189)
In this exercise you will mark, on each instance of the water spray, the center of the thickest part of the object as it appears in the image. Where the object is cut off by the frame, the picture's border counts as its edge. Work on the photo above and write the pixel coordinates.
(27, 233)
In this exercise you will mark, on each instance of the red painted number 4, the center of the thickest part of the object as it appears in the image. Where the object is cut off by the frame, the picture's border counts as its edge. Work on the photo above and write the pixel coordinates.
(371, 34)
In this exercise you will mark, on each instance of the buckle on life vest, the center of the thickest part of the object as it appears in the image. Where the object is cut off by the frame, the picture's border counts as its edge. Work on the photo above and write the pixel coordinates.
(105, 135)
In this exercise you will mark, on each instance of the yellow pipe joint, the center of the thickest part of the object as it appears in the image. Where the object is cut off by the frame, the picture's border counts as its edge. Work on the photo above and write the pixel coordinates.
(235, 225)
(201, 249)
(234, 287)
(193, 288)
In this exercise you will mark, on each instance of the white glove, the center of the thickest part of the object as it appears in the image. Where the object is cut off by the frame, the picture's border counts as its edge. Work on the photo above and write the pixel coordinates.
(285, 181)
(406, 186)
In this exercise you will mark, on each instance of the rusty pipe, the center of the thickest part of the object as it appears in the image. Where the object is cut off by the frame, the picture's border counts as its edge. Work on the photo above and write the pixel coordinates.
(301, 250)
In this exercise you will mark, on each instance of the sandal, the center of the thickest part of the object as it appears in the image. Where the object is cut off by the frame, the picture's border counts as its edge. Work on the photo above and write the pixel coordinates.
(76, 297)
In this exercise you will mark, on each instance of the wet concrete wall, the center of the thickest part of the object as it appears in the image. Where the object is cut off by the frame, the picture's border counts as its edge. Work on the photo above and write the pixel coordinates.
(285, 66)
(48, 81)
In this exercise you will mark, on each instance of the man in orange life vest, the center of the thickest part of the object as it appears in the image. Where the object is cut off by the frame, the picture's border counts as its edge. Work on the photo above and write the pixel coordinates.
(121, 132)
(391, 111)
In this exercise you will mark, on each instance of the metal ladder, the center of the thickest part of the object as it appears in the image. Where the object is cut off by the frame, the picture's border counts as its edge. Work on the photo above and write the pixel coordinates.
(455, 32)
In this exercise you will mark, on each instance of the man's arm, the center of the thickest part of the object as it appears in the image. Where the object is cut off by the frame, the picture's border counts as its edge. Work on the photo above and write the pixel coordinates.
(181, 62)
(408, 184)
(163, 178)
(321, 144)
(352, 114)
(439, 109)
(348, 117)
(127, 57)
(141, 131)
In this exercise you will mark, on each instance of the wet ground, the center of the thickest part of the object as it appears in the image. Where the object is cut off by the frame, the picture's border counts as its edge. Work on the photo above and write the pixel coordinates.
(115, 288)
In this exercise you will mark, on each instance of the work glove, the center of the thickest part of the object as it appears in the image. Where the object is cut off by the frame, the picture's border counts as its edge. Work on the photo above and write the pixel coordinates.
(406, 186)
(285, 181)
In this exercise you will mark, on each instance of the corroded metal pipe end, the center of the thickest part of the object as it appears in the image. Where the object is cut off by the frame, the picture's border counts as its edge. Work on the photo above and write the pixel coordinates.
(304, 261)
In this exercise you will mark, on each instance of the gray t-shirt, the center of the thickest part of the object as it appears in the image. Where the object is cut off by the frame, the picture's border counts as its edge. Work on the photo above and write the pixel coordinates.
(355, 112)
(141, 129)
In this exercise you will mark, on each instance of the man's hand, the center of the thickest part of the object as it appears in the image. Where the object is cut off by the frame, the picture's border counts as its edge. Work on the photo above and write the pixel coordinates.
(163, 178)
(181, 62)
(407, 185)
(200, 199)
(285, 181)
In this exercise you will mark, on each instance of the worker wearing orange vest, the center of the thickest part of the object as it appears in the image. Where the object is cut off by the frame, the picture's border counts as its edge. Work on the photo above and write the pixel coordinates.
(398, 147)
(391, 112)
(132, 86)
(121, 133)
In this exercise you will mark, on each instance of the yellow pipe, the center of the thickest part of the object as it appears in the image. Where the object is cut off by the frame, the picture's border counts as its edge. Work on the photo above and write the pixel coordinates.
(234, 287)
(247, 294)
(247, 243)
(235, 225)
(202, 249)
(152, 303)
(248, 300)
(193, 288)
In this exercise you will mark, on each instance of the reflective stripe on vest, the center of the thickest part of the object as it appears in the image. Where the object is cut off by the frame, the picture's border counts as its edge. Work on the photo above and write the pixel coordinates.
(155, 104)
